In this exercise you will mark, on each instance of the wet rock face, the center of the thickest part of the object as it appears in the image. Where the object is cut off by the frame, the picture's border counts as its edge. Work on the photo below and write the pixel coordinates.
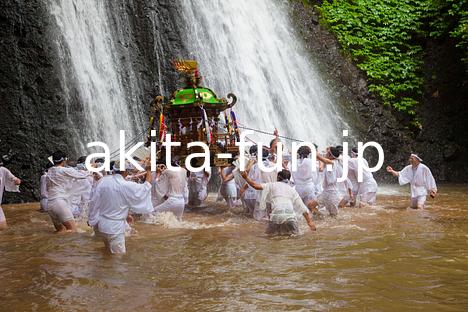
(32, 119)
(443, 141)
(33, 116)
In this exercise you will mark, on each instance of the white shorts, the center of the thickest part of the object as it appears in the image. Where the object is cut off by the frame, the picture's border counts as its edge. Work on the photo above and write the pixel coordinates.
(115, 243)
(418, 201)
(175, 205)
(228, 191)
(59, 211)
(329, 200)
(2, 215)
(368, 198)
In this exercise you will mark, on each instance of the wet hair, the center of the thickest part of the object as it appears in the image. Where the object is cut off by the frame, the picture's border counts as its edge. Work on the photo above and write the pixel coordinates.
(58, 157)
(284, 175)
(335, 152)
(81, 160)
(265, 154)
(99, 160)
(48, 166)
(304, 151)
(253, 150)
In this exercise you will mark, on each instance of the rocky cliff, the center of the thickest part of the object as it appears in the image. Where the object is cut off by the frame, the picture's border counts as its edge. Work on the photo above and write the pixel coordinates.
(442, 141)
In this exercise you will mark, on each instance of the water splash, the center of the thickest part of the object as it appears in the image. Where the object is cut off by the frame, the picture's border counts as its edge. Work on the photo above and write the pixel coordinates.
(249, 47)
(170, 221)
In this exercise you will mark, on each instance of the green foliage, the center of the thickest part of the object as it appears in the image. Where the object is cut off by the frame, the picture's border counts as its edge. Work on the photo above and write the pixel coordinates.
(384, 38)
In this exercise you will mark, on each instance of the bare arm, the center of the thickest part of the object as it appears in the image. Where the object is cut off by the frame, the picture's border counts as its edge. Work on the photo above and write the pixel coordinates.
(393, 172)
(324, 160)
(253, 184)
(149, 175)
(226, 177)
(309, 221)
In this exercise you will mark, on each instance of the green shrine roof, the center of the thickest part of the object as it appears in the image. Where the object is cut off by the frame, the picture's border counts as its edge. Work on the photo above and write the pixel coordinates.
(190, 96)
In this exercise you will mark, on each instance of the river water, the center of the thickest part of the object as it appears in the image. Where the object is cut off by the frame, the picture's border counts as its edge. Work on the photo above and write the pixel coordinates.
(377, 259)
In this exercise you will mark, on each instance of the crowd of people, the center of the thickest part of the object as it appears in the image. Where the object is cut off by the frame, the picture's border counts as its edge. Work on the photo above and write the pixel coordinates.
(108, 201)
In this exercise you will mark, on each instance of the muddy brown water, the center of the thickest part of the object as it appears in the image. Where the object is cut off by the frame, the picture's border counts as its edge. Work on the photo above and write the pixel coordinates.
(385, 258)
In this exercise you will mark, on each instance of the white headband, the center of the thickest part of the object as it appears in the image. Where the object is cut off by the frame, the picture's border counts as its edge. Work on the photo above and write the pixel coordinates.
(58, 161)
(416, 156)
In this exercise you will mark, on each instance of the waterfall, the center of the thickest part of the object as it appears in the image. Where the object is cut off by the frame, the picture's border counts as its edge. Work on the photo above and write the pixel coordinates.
(92, 73)
(249, 48)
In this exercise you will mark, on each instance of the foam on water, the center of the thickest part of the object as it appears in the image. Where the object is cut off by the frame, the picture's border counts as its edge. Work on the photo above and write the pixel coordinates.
(170, 221)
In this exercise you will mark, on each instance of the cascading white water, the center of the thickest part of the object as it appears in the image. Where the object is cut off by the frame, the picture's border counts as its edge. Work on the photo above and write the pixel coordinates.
(249, 48)
(87, 46)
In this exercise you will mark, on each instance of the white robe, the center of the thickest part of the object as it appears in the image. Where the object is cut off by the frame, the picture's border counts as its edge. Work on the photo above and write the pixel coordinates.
(286, 204)
(198, 186)
(420, 179)
(80, 201)
(264, 177)
(43, 189)
(176, 191)
(254, 175)
(344, 186)
(158, 190)
(7, 182)
(368, 184)
(305, 178)
(62, 182)
(228, 188)
(112, 200)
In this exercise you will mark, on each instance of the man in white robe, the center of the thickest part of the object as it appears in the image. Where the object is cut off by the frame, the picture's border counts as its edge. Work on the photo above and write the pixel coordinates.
(112, 200)
(366, 190)
(329, 197)
(63, 185)
(345, 188)
(286, 205)
(198, 187)
(248, 193)
(175, 180)
(43, 191)
(305, 176)
(228, 189)
(419, 176)
(9, 183)
(81, 201)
